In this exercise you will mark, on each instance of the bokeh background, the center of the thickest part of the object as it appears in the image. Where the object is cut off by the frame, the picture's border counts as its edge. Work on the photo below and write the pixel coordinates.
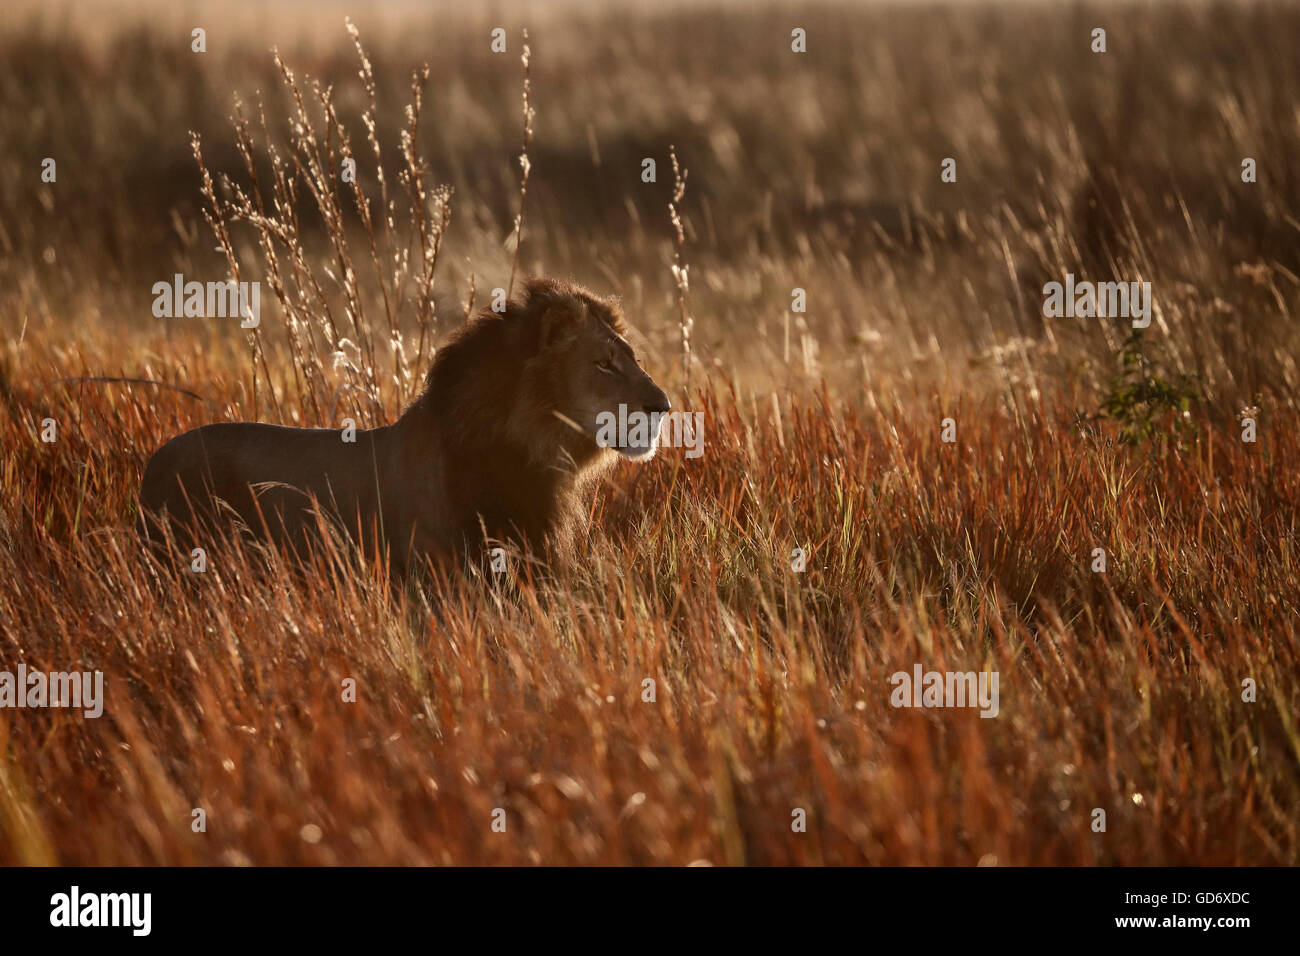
(818, 171)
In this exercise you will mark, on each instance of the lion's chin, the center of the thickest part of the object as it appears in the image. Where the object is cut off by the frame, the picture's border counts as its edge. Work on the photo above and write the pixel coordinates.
(640, 455)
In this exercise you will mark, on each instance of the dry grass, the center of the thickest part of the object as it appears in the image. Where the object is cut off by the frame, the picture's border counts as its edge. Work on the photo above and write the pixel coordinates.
(1119, 690)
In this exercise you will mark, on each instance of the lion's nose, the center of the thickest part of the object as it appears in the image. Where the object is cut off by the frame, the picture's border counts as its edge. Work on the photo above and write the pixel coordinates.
(658, 404)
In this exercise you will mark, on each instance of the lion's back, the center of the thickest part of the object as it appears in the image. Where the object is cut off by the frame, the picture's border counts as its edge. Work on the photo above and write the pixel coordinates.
(229, 461)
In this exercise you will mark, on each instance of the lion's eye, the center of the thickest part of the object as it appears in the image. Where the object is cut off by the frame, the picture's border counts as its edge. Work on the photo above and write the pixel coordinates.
(606, 367)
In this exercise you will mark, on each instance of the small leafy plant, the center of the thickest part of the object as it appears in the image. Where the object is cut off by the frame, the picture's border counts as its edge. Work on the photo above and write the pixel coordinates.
(1146, 404)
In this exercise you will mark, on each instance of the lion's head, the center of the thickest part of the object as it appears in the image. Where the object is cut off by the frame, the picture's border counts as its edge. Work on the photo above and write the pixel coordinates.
(587, 376)
(552, 375)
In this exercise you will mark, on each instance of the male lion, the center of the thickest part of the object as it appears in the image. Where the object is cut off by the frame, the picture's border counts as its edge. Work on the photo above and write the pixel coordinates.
(499, 443)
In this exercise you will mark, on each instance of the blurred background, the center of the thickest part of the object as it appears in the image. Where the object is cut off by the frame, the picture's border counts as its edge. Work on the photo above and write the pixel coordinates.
(817, 170)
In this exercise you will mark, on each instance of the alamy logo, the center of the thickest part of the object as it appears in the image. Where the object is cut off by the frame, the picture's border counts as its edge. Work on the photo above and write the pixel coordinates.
(212, 300)
(946, 689)
(1102, 300)
(78, 690)
(75, 908)
(641, 432)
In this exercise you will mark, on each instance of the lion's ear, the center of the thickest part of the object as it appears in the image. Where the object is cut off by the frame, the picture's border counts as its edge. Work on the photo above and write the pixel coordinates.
(557, 324)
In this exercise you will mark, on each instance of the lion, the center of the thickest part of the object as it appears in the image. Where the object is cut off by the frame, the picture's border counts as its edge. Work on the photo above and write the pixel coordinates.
(499, 446)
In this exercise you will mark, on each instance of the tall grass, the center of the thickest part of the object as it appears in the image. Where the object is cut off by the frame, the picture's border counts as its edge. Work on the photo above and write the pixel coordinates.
(1119, 690)
(399, 246)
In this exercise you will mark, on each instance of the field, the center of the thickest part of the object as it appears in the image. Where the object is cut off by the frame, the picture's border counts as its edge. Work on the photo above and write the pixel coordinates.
(686, 691)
